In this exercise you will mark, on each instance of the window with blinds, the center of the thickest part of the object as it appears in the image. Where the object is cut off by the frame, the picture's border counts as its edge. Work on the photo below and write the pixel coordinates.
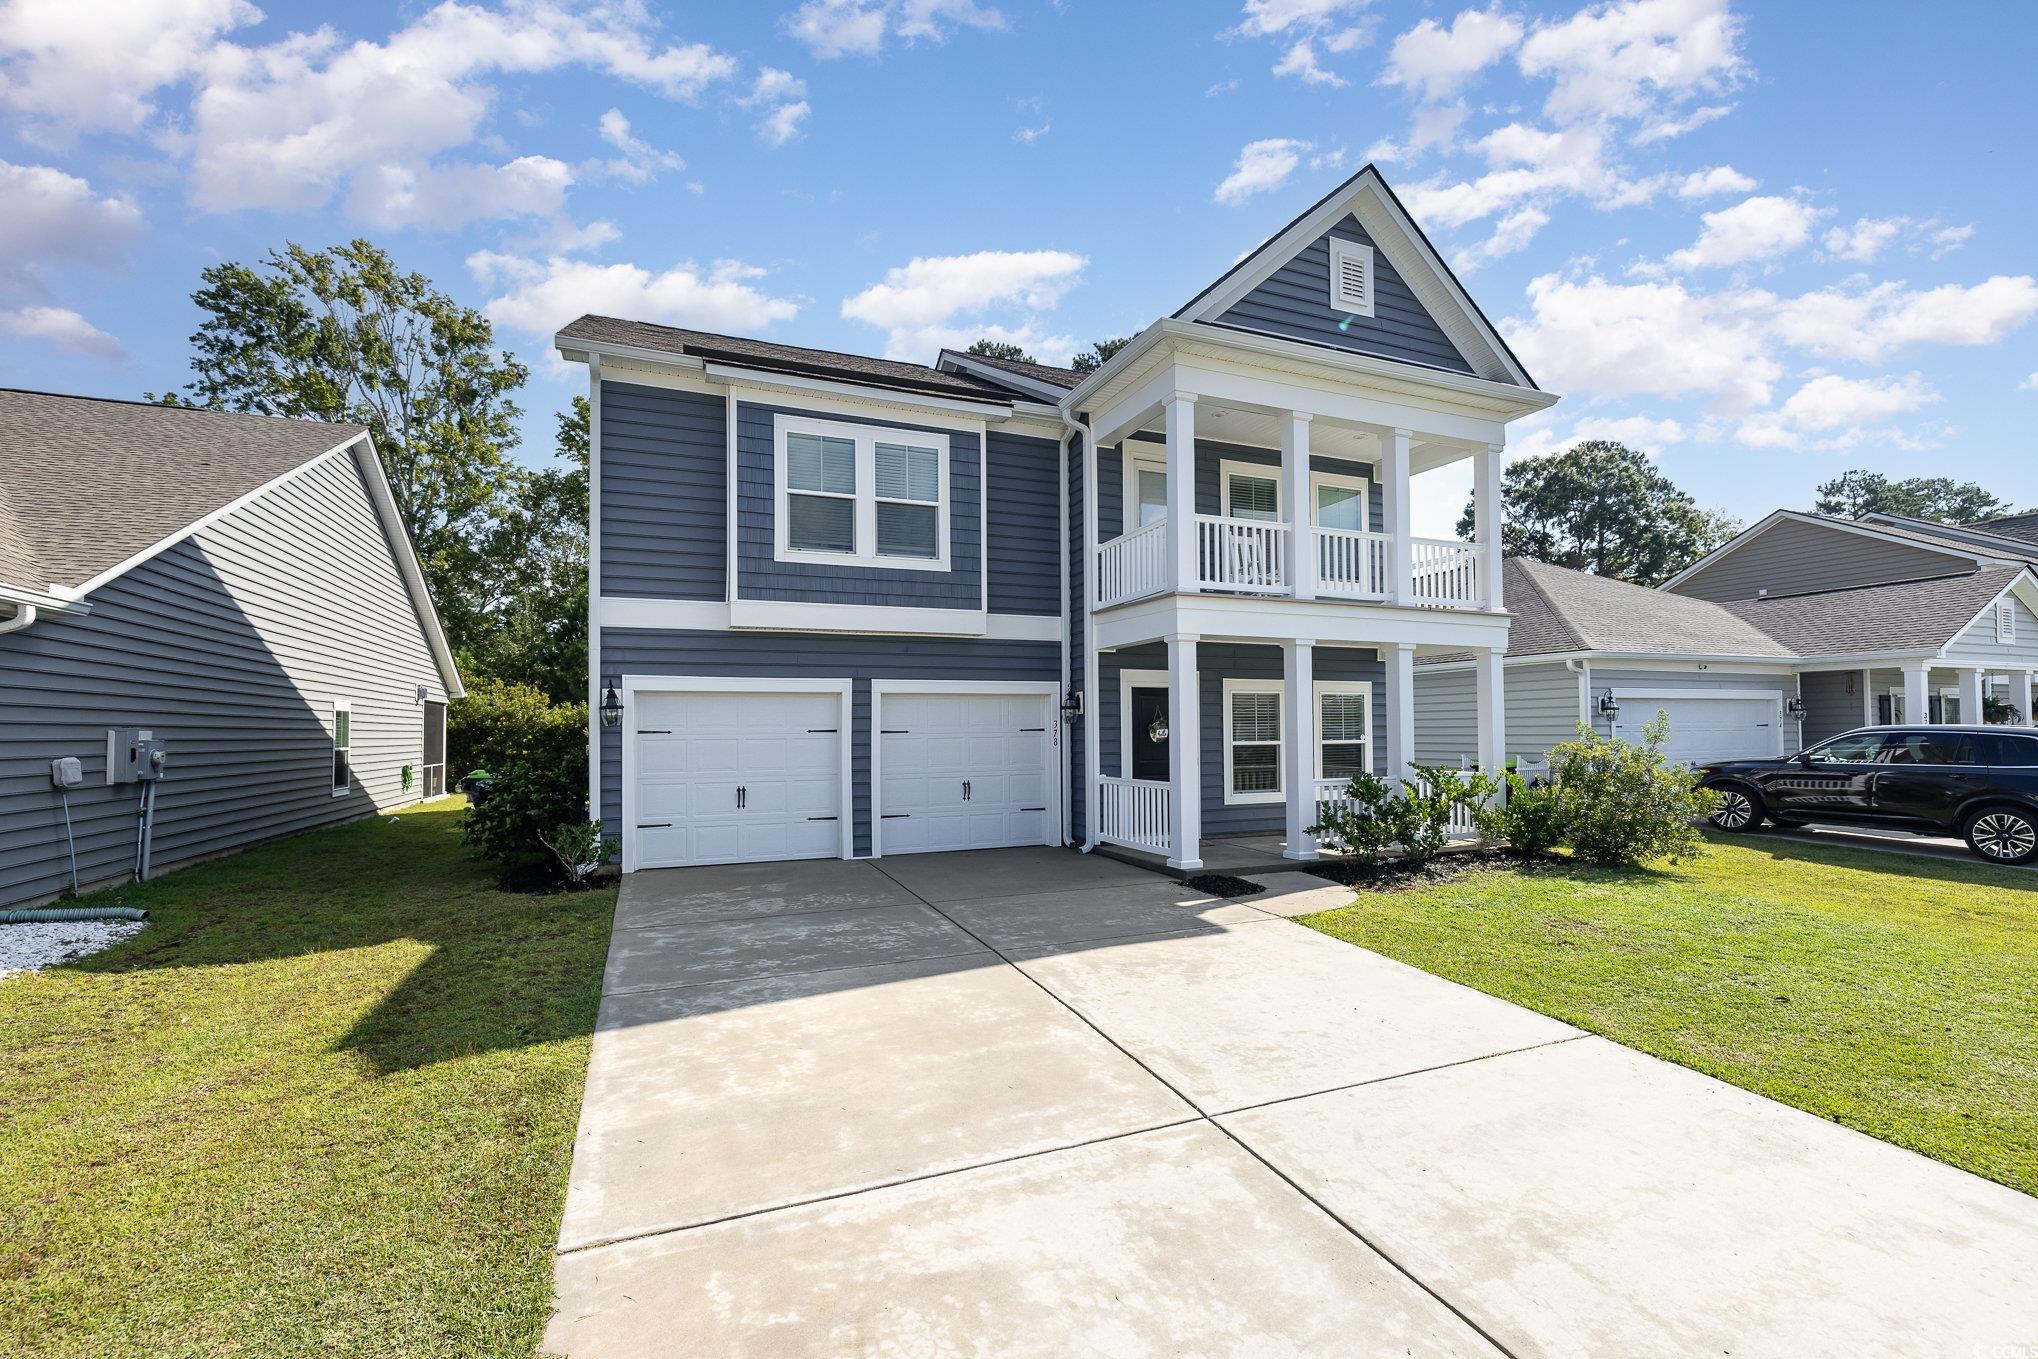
(1253, 497)
(864, 495)
(820, 478)
(1344, 725)
(1252, 753)
(908, 499)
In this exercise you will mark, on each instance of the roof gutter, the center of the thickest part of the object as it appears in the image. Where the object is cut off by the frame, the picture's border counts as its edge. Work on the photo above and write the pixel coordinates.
(41, 601)
(24, 614)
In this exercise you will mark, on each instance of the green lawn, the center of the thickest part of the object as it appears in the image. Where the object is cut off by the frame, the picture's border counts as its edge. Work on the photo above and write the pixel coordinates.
(1896, 995)
(324, 1104)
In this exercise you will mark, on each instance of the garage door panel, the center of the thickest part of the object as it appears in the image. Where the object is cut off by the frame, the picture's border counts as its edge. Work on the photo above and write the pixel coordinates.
(933, 745)
(1710, 728)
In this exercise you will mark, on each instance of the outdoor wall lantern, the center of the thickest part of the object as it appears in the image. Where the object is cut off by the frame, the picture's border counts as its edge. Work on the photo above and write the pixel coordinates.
(1608, 708)
(1072, 705)
(611, 706)
(1795, 707)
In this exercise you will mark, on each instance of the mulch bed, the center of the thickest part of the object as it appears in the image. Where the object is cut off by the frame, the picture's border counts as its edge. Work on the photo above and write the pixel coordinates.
(546, 879)
(1223, 885)
(1396, 873)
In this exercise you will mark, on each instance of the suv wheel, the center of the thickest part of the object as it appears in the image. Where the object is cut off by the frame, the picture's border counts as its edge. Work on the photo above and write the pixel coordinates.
(2004, 835)
(1739, 809)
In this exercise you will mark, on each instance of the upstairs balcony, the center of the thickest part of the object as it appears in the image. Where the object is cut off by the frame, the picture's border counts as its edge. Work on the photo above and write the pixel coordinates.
(1260, 557)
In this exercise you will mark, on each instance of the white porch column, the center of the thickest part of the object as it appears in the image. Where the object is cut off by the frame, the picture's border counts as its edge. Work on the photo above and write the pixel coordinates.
(1970, 695)
(1180, 410)
(1492, 709)
(1298, 752)
(1400, 709)
(1185, 752)
(1092, 756)
(1487, 515)
(1395, 515)
(1917, 692)
(1868, 713)
(2024, 702)
(1301, 506)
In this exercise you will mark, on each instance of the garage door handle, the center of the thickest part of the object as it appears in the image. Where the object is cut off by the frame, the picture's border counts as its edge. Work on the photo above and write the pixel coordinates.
(823, 731)
(895, 816)
(654, 825)
(824, 818)
(1033, 728)
(965, 790)
(654, 731)
(742, 796)
(894, 731)
(1033, 809)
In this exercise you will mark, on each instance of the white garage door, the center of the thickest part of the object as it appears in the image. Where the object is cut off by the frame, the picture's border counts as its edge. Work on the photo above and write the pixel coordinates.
(1715, 727)
(963, 771)
(736, 778)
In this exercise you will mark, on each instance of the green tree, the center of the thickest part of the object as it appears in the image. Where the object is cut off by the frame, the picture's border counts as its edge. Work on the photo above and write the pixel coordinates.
(1093, 358)
(1603, 507)
(1852, 495)
(343, 334)
(999, 349)
(531, 581)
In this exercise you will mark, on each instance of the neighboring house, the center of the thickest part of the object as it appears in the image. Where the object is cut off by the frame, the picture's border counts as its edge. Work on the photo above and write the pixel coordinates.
(854, 607)
(239, 586)
(1799, 629)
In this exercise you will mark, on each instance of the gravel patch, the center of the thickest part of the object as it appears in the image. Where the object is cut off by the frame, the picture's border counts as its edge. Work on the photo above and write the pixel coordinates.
(31, 948)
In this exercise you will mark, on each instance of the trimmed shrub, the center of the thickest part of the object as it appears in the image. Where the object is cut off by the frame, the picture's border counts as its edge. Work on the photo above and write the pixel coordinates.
(498, 723)
(1530, 818)
(1626, 805)
(530, 799)
(1364, 823)
(1415, 815)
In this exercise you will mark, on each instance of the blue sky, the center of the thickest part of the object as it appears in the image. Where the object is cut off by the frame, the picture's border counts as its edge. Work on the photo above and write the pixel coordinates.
(1766, 245)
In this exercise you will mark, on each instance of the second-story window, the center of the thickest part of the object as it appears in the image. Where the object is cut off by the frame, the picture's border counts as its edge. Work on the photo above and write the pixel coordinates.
(861, 495)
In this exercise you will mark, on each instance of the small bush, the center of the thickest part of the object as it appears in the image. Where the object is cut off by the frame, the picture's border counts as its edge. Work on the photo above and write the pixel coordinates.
(1626, 805)
(1415, 816)
(498, 723)
(1364, 823)
(1530, 818)
(579, 848)
(531, 798)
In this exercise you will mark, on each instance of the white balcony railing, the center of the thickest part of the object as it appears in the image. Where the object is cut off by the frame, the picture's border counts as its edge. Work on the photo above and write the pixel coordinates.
(1133, 565)
(1445, 573)
(1134, 813)
(1352, 563)
(1331, 793)
(1248, 555)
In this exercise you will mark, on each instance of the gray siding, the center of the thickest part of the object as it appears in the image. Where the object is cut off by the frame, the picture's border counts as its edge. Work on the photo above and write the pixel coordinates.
(761, 577)
(664, 492)
(1023, 522)
(1832, 703)
(1977, 644)
(1795, 558)
(782, 655)
(1295, 302)
(1605, 678)
(1217, 662)
(231, 646)
(1541, 703)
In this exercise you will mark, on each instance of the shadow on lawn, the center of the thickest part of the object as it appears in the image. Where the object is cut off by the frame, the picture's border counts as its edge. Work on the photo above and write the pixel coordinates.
(1872, 858)
(504, 970)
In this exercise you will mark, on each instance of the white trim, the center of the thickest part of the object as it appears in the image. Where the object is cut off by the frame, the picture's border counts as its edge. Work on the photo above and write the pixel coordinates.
(594, 611)
(38, 601)
(1232, 797)
(1258, 471)
(633, 685)
(1128, 680)
(1324, 687)
(1776, 517)
(814, 391)
(706, 615)
(1046, 690)
(342, 705)
(975, 367)
(1154, 458)
(864, 498)
(731, 528)
(1361, 302)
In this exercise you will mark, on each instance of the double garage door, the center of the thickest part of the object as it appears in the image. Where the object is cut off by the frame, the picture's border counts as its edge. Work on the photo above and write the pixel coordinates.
(752, 776)
(1735, 725)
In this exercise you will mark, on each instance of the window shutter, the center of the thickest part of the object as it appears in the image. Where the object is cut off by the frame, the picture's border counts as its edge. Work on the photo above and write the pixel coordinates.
(1351, 277)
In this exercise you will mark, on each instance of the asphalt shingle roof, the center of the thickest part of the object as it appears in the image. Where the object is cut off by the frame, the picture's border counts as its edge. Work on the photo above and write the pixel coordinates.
(1039, 372)
(90, 482)
(1905, 616)
(2023, 527)
(782, 358)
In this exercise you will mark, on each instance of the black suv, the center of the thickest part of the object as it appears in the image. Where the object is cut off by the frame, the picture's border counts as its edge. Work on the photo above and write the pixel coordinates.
(1977, 782)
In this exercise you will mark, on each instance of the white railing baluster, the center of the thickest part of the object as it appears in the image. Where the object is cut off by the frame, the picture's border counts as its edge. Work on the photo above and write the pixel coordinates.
(1351, 563)
(1133, 565)
(1134, 813)
(1244, 555)
(1446, 573)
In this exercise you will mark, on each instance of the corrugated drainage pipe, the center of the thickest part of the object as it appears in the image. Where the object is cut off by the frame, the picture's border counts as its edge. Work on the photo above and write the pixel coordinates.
(38, 915)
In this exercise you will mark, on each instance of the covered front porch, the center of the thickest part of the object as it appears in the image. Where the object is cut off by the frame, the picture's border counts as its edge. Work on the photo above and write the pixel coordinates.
(1937, 693)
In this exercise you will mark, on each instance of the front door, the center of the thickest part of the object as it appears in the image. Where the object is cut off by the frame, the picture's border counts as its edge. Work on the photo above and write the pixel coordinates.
(1833, 779)
(1149, 735)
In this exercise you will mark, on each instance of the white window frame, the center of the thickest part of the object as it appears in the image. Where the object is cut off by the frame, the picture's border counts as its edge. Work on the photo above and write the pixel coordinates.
(866, 439)
(1340, 301)
(2006, 620)
(1129, 464)
(1363, 688)
(1232, 797)
(342, 705)
(1347, 481)
(1259, 471)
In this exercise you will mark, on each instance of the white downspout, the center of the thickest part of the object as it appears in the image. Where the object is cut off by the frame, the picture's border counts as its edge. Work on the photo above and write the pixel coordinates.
(24, 614)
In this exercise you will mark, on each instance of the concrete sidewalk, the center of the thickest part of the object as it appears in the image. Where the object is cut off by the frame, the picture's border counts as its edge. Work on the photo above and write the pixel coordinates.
(1027, 1102)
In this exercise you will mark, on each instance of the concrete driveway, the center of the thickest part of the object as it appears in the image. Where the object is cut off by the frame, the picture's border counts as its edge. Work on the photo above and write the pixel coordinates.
(1024, 1102)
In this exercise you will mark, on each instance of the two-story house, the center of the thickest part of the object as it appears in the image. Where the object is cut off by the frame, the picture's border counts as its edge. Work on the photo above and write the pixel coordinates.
(847, 606)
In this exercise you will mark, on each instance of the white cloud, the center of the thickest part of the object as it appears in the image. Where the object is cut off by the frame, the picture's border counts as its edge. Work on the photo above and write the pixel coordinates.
(1272, 18)
(1262, 167)
(1026, 136)
(1863, 241)
(68, 67)
(1664, 128)
(61, 327)
(640, 161)
(53, 217)
(536, 297)
(845, 28)
(782, 124)
(1640, 432)
(454, 195)
(1754, 229)
(1946, 240)
(1635, 59)
(1869, 324)
(1709, 183)
(1435, 62)
(2029, 384)
(1300, 62)
(934, 301)
(1598, 338)
(774, 86)
(1834, 411)
(1511, 235)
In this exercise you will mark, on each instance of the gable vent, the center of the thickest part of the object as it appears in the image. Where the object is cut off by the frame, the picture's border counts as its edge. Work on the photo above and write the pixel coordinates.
(1351, 277)
(2006, 621)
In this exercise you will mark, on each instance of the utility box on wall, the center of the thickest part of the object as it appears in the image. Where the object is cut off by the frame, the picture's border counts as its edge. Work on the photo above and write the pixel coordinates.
(133, 755)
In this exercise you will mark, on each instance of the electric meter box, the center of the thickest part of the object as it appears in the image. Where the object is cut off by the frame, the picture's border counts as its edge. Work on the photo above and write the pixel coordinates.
(67, 772)
(133, 755)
